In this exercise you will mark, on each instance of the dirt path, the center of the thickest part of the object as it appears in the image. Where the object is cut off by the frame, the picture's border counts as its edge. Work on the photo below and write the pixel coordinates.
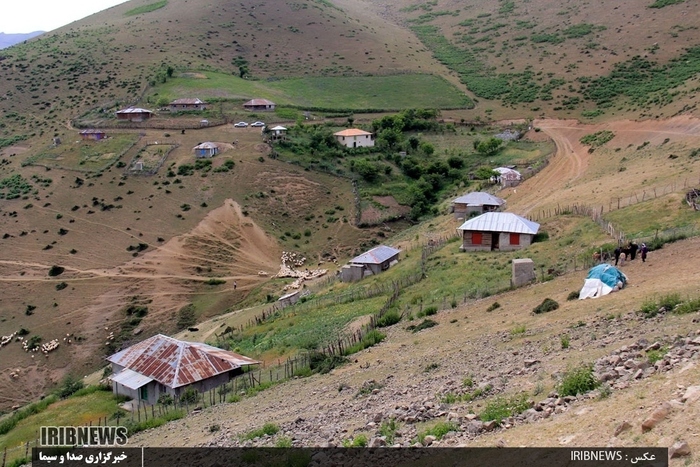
(572, 160)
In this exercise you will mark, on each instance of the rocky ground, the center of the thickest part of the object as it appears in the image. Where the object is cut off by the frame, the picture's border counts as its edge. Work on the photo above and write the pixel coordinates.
(416, 380)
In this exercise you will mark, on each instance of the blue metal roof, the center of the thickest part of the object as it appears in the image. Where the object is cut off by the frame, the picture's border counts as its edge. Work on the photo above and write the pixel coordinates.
(376, 255)
(479, 198)
(501, 222)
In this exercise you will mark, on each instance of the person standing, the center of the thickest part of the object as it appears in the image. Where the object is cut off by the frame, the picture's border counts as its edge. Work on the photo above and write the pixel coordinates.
(633, 250)
(644, 252)
(618, 250)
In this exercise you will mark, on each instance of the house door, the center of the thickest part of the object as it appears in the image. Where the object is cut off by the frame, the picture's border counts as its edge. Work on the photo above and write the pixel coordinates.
(494, 240)
(354, 144)
(143, 392)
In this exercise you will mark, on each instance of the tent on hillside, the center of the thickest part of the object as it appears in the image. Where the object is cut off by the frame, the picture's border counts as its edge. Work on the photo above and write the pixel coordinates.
(602, 280)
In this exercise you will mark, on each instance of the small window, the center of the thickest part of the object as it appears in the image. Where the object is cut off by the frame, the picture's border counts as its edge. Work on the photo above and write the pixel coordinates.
(515, 239)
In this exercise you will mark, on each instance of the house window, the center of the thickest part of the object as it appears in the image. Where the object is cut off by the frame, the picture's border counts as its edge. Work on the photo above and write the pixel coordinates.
(515, 239)
(143, 392)
(477, 238)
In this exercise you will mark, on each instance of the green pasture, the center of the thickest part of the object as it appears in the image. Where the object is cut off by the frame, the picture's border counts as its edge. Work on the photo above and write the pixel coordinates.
(344, 93)
(85, 156)
(657, 216)
(73, 411)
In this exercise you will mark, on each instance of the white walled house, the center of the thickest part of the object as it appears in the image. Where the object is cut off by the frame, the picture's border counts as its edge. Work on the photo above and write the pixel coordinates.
(355, 138)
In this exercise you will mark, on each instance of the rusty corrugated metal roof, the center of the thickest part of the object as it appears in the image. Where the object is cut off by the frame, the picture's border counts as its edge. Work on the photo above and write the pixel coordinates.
(176, 363)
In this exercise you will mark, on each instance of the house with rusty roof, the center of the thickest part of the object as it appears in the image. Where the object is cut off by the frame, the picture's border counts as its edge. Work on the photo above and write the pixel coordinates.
(165, 365)
(134, 114)
(503, 231)
(187, 105)
(355, 138)
(371, 262)
(476, 202)
(259, 105)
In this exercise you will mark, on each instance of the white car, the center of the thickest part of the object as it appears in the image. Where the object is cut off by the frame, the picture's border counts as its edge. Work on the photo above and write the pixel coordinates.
(241, 125)
(258, 124)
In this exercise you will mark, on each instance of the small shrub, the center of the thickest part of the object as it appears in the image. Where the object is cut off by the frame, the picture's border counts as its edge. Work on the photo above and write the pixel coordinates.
(578, 380)
(428, 311)
(565, 341)
(269, 429)
(439, 430)
(425, 324)
(56, 271)
(654, 356)
(61, 286)
(368, 387)
(604, 391)
(518, 329)
(283, 442)
(388, 430)
(69, 385)
(214, 428)
(359, 441)
(321, 363)
(493, 306)
(373, 337)
(215, 281)
(388, 319)
(689, 306)
(546, 306)
(430, 367)
(190, 396)
(573, 295)
(233, 398)
(504, 407)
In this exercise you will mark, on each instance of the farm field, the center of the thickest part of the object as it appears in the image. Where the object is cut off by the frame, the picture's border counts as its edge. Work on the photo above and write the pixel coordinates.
(85, 156)
(391, 92)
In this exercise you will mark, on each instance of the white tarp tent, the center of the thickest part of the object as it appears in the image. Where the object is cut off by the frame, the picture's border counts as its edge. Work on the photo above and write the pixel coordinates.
(602, 280)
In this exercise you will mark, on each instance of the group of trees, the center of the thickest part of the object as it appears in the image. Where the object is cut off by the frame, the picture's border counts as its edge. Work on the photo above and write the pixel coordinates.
(421, 172)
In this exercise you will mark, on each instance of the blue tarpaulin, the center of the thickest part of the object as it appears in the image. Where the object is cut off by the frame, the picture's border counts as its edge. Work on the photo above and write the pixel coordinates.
(602, 280)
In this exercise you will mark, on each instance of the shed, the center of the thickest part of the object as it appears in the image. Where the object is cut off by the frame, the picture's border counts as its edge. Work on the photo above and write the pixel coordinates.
(187, 104)
(290, 298)
(206, 149)
(371, 262)
(278, 132)
(502, 231)
(475, 202)
(259, 105)
(134, 114)
(92, 134)
(164, 365)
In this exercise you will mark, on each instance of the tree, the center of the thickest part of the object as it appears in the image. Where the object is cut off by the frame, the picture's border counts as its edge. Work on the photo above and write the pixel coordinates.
(488, 147)
(242, 70)
(389, 137)
(427, 148)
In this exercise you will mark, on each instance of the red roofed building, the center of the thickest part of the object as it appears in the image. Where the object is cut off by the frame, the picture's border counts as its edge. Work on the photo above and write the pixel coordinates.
(355, 138)
(164, 365)
(259, 104)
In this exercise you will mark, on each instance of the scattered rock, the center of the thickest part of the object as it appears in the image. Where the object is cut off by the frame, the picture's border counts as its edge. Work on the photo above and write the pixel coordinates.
(656, 416)
(624, 426)
(691, 395)
(679, 449)
(428, 440)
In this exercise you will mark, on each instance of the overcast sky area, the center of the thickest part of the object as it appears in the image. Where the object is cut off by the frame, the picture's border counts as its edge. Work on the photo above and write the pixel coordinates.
(24, 16)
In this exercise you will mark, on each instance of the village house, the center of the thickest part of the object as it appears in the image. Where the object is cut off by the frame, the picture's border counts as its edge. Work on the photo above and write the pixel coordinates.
(258, 105)
(134, 114)
(476, 202)
(355, 138)
(164, 365)
(507, 177)
(278, 132)
(206, 150)
(92, 134)
(371, 262)
(503, 231)
(187, 105)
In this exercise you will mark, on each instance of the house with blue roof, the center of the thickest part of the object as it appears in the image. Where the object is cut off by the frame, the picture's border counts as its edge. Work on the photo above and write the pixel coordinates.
(371, 262)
